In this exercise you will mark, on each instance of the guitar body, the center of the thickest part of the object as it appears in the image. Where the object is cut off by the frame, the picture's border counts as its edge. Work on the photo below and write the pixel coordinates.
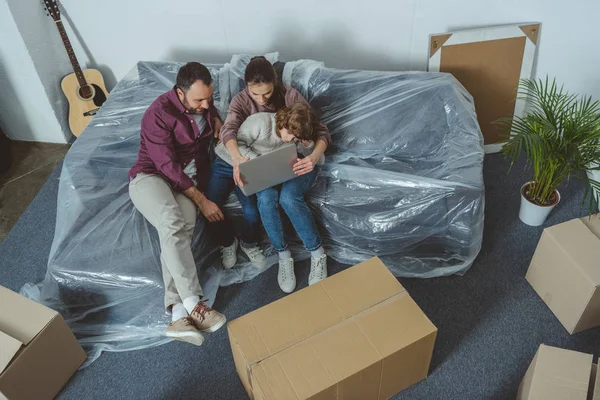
(84, 89)
(83, 104)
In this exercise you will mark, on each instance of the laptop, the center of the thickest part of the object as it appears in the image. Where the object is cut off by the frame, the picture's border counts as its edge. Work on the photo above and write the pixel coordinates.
(269, 169)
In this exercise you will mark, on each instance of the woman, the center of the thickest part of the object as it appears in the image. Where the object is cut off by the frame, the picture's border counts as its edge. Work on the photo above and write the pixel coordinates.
(262, 133)
(263, 93)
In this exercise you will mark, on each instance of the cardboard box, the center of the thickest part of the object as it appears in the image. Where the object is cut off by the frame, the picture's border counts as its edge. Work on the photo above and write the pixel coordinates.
(355, 335)
(565, 272)
(558, 374)
(39, 353)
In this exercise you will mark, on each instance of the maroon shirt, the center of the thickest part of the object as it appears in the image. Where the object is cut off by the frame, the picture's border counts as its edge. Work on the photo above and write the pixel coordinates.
(170, 139)
(242, 106)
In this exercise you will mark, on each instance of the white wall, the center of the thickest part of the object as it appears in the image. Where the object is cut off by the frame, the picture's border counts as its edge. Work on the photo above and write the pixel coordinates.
(25, 113)
(376, 34)
(565, 48)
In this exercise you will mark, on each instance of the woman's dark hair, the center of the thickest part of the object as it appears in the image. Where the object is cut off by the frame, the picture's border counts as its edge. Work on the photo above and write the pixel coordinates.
(299, 119)
(190, 73)
(260, 70)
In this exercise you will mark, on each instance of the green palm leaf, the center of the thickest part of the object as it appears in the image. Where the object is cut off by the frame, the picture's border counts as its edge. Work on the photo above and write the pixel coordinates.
(559, 136)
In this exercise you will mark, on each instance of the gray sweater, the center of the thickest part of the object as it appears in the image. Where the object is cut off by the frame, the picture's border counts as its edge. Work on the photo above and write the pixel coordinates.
(257, 136)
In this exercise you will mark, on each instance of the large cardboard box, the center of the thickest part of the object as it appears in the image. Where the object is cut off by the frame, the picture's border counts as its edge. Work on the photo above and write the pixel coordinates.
(355, 335)
(558, 374)
(565, 272)
(38, 351)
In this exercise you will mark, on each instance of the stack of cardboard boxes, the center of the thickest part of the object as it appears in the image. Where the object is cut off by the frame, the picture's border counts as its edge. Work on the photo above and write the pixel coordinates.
(355, 335)
(565, 273)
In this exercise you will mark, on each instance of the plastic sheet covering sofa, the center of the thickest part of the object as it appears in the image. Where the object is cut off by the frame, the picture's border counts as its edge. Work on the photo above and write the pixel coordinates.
(403, 181)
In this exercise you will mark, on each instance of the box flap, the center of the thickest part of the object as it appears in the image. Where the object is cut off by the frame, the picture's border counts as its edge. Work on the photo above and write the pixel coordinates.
(593, 224)
(591, 315)
(317, 364)
(404, 337)
(9, 346)
(581, 244)
(294, 318)
(22, 318)
(394, 324)
(560, 374)
(361, 287)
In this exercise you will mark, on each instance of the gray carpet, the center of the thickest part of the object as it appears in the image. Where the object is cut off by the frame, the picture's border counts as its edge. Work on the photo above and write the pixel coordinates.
(490, 321)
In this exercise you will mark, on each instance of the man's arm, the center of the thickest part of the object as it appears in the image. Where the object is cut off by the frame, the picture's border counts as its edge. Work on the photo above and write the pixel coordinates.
(215, 118)
(159, 142)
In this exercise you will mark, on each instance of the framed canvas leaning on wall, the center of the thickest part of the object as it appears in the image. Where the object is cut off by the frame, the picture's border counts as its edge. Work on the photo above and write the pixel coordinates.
(489, 62)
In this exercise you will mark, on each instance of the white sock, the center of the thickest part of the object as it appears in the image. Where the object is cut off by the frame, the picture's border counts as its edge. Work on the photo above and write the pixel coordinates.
(178, 312)
(317, 253)
(190, 303)
(284, 255)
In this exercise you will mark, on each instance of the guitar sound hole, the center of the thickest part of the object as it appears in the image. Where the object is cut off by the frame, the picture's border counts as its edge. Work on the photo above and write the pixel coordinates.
(86, 92)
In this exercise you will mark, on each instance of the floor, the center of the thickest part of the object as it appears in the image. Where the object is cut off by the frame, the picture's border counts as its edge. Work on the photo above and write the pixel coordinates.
(32, 165)
(490, 320)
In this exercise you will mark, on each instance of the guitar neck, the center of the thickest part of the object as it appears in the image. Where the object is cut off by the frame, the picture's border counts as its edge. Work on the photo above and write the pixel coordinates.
(76, 68)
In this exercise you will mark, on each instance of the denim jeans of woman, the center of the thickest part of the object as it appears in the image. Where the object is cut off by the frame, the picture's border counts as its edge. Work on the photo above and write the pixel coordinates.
(220, 185)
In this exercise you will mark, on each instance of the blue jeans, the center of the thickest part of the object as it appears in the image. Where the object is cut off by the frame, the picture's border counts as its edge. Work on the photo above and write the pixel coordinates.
(290, 196)
(220, 184)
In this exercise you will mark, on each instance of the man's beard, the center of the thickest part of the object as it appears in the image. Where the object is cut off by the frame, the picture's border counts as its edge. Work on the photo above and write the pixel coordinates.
(189, 108)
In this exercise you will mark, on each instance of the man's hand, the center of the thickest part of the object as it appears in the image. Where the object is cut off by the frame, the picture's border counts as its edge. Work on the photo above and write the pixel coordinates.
(210, 210)
(217, 124)
(236, 170)
(305, 165)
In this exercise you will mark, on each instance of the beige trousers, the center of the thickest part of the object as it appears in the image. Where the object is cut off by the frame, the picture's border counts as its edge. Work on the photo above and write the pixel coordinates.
(174, 216)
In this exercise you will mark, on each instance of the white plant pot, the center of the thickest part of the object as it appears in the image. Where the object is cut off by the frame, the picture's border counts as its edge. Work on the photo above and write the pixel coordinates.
(532, 214)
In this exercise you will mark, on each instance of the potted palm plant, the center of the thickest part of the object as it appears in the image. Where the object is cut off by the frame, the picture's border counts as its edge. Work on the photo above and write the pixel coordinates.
(560, 137)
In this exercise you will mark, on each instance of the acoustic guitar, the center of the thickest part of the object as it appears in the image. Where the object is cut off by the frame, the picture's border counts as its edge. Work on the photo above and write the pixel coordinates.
(84, 89)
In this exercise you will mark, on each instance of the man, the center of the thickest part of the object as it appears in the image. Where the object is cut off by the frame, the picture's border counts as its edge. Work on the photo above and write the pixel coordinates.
(166, 185)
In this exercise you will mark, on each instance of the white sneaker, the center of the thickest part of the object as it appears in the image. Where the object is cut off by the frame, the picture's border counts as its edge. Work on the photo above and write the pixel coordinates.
(286, 276)
(255, 255)
(229, 254)
(318, 269)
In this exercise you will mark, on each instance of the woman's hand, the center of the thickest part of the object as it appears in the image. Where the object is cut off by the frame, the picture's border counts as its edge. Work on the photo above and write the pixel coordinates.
(306, 164)
(237, 160)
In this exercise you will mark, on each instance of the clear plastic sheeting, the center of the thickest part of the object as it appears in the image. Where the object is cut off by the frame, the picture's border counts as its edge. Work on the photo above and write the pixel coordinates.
(403, 181)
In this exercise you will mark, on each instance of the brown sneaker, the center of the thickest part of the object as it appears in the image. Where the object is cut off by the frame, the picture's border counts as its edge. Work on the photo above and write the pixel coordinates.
(207, 319)
(184, 329)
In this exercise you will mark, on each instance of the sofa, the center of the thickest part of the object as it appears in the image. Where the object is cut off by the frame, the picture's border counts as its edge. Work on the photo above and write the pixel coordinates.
(403, 180)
